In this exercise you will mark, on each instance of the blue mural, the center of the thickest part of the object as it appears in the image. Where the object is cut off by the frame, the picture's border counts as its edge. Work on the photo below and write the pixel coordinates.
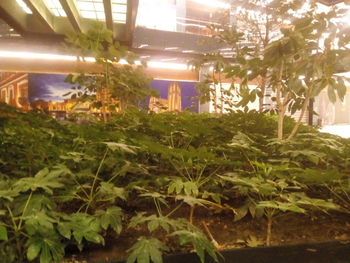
(48, 87)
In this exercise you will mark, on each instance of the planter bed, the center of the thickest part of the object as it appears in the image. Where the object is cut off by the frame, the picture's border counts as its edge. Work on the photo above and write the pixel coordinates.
(330, 252)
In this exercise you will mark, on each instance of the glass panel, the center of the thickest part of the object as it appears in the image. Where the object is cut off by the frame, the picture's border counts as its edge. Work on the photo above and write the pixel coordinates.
(24, 7)
(119, 8)
(92, 9)
(119, 2)
(88, 14)
(119, 17)
(55, 7)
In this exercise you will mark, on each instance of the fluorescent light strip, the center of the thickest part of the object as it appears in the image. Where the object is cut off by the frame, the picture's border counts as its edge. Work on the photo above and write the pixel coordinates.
(166, 65)
(42, 56)
(24, 7)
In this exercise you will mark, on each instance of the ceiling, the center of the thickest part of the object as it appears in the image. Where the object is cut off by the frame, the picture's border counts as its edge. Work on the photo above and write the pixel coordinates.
(163, 30)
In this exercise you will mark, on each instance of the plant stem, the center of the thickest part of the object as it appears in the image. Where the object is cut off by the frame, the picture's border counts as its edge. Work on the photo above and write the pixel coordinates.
(303, 110)
(215, 243)
(191, 214)
(95, 179)
(280, 106)
(269, 227)
(24, 210)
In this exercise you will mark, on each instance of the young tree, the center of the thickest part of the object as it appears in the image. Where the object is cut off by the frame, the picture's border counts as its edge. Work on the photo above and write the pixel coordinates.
(116, 82)
(289, 47)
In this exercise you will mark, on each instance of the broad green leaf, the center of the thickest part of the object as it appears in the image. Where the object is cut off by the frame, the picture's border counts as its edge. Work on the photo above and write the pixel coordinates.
(199, 242)
(121, 147)
(112, 217)
(146, 251)
(3, 233)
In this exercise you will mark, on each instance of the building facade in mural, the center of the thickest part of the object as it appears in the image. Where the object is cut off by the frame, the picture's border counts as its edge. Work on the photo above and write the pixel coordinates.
(14, 89)
(172, 103)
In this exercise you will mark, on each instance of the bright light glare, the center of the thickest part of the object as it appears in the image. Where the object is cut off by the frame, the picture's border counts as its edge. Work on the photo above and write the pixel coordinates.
(42, 56)
(31, 55)
(157, 14)
(340, 130)
(24, 7)
(213, 3)
(166, 65)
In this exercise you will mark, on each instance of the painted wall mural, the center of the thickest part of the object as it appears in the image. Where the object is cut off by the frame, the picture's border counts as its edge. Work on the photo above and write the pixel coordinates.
(174, 96)
(46, 92)
(14, 89)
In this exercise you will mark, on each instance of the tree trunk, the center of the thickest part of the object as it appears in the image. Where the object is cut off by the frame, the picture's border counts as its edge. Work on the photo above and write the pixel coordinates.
(262, 88)
(280, 124)
(268, 231)
(303, 110)
(280, 104)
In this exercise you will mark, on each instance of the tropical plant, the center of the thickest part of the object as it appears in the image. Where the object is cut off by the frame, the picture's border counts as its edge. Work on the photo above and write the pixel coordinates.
(114, 86)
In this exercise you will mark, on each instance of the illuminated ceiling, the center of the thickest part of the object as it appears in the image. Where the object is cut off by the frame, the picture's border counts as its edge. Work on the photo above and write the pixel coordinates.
(174, 28)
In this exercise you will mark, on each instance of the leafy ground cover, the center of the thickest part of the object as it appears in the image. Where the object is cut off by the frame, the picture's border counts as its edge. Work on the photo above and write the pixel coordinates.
(145, 185)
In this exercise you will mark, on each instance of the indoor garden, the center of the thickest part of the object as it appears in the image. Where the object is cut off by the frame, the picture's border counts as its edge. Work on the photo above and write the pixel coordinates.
(124, 182)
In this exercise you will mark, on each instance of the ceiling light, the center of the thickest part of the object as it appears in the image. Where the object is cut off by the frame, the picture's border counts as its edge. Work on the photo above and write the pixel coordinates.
(32, 55)
(166, 65)
(143, 45)
(24, 7)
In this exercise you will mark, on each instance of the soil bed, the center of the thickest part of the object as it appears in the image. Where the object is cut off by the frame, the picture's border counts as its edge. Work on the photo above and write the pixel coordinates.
(317, 238)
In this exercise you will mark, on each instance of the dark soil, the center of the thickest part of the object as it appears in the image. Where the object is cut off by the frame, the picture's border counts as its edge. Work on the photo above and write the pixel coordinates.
(288, 229)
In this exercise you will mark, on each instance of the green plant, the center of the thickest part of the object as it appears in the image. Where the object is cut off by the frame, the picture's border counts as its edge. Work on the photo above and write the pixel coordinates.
(115, 86)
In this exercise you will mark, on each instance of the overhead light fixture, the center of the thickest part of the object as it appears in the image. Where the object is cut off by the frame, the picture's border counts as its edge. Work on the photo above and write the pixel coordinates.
(167, 65)
(213, 3)
(43, 56)
(171, 48)
(32, 55)
(143, 45)
(24, 6)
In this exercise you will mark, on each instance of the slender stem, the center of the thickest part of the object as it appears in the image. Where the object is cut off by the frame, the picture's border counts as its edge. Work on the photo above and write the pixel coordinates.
(12, 218)
(174, 210)
(216, 244)
(303, 110)
(191, 214)
(280, 106)
(24, 210)
(95, 179)
(269, 227)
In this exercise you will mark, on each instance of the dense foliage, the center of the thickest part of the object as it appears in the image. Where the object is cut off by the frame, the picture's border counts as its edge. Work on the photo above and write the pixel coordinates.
(63, 184)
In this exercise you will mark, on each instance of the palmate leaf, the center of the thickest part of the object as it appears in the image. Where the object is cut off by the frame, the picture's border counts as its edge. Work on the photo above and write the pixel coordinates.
(114, 146)
(154, 222)
(146, 251)
(111, 217)
(3, 233)
(44, 179)
(189, 188)
(301, 199)
(81, 226)
(282, 206)
(38, 222)
(108, 191)
(190, 200)
(199, 242)
(49, 249)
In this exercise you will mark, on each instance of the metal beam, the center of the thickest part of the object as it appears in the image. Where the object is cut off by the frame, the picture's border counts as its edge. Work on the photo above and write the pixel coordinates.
(42, 13)
(72, 14)
(107, 4)
(25, 24)
(131, 20)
